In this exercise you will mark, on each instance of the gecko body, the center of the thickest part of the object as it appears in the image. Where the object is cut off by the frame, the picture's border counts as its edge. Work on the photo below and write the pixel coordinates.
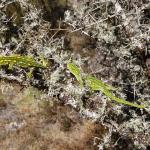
(21, 61)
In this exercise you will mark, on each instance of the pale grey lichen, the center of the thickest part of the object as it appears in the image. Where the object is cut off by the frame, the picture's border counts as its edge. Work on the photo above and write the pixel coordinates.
(121, 29)
(101, 19)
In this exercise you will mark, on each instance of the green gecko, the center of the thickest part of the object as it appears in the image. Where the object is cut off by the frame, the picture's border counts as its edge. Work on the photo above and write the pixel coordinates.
(21, 61)
(97, 85)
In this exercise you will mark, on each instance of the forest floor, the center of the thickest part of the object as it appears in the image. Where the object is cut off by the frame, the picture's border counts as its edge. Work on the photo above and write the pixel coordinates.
(108, 39)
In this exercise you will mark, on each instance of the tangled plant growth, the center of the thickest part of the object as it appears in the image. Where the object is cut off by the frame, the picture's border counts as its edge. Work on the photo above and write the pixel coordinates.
(120, 31)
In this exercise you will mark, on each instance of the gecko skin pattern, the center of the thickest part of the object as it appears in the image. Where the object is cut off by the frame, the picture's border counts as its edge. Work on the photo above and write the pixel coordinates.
(21, 61)
(97, 85)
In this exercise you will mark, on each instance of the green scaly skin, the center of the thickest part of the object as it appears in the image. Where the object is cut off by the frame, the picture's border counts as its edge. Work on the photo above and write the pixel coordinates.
(21, 61)
(97, 85)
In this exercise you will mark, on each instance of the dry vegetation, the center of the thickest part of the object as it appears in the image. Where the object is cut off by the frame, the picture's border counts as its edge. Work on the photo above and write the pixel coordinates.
(50, 111)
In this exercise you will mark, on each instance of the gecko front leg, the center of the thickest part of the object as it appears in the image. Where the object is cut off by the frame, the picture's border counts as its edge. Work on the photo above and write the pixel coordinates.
(30, 73)
(10, 66)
